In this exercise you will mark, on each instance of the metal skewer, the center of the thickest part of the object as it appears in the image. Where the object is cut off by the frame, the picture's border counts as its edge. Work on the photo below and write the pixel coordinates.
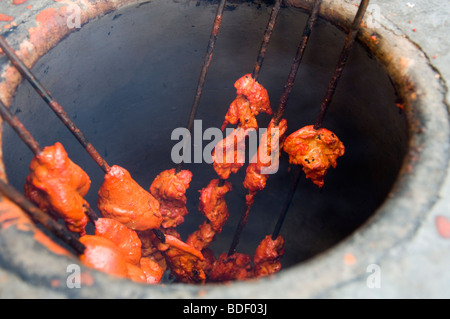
(287, 203)
(62, 115)
(204, 71)
(266, 39)
(350, 39)
(35, 213)
(54, 105)
(281, 107)
(29, 140)
(263, 48)
(297, 61)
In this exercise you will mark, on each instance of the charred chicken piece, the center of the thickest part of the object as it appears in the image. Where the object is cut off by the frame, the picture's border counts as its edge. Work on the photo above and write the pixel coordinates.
(255, 93)
(169, 188)
(315, 150)
(229, 154)
(57, 186)
(209, 260)
(123, 199)
(263, 162)
(234, 267)
(125, 238)
(149, 248)
(102, 254)
(202, 237)
(267, 256)
(184, 261)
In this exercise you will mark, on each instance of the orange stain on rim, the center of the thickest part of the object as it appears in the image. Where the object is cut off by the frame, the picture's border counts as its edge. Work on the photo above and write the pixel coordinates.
(349, 259)
(5, 18)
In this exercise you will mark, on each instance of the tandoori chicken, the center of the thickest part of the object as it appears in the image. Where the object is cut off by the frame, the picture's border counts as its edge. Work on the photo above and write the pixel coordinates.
(123, 199)
(57, 186)
(169, 188)
(315, 150)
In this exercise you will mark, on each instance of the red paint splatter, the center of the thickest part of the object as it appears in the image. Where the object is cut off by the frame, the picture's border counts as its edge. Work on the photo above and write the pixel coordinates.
(443, 226)
(16, 2)
(4, 17)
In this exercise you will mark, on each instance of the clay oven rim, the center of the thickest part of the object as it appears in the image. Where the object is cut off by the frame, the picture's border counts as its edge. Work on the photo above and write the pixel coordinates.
(396, 221)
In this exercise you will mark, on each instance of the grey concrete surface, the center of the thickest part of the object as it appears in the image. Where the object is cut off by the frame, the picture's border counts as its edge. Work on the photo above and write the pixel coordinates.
(416, 268)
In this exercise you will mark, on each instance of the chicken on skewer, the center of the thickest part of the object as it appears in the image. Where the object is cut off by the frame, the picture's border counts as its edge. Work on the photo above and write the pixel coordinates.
(214, 207)
(316, 150)
(238, 266)
(102, 254)
(226, 268)
(150, 218)
(263, 162)
(267, 256)
(229, 154)
(252, 98)
(57, 186)
(114, 245)
(183, 260)
(169, 188)
(123, 199)
(125, 238)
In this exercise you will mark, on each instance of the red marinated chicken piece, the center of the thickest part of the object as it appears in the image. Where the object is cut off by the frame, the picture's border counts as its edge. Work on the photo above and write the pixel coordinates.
(227, 268)
(240, 112)
(152, 270)
(135, 273)
(147, 271)
(125, 238)
(102, 254)
(184, 261)
(169, 188)
(315, 150)
(229, 154)
(267, 256)
(214, 207)
(123, 199)
(255, 93)
(263, 162)
(252, 98)
(149, 248)
(57, 185)
(202, 237)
